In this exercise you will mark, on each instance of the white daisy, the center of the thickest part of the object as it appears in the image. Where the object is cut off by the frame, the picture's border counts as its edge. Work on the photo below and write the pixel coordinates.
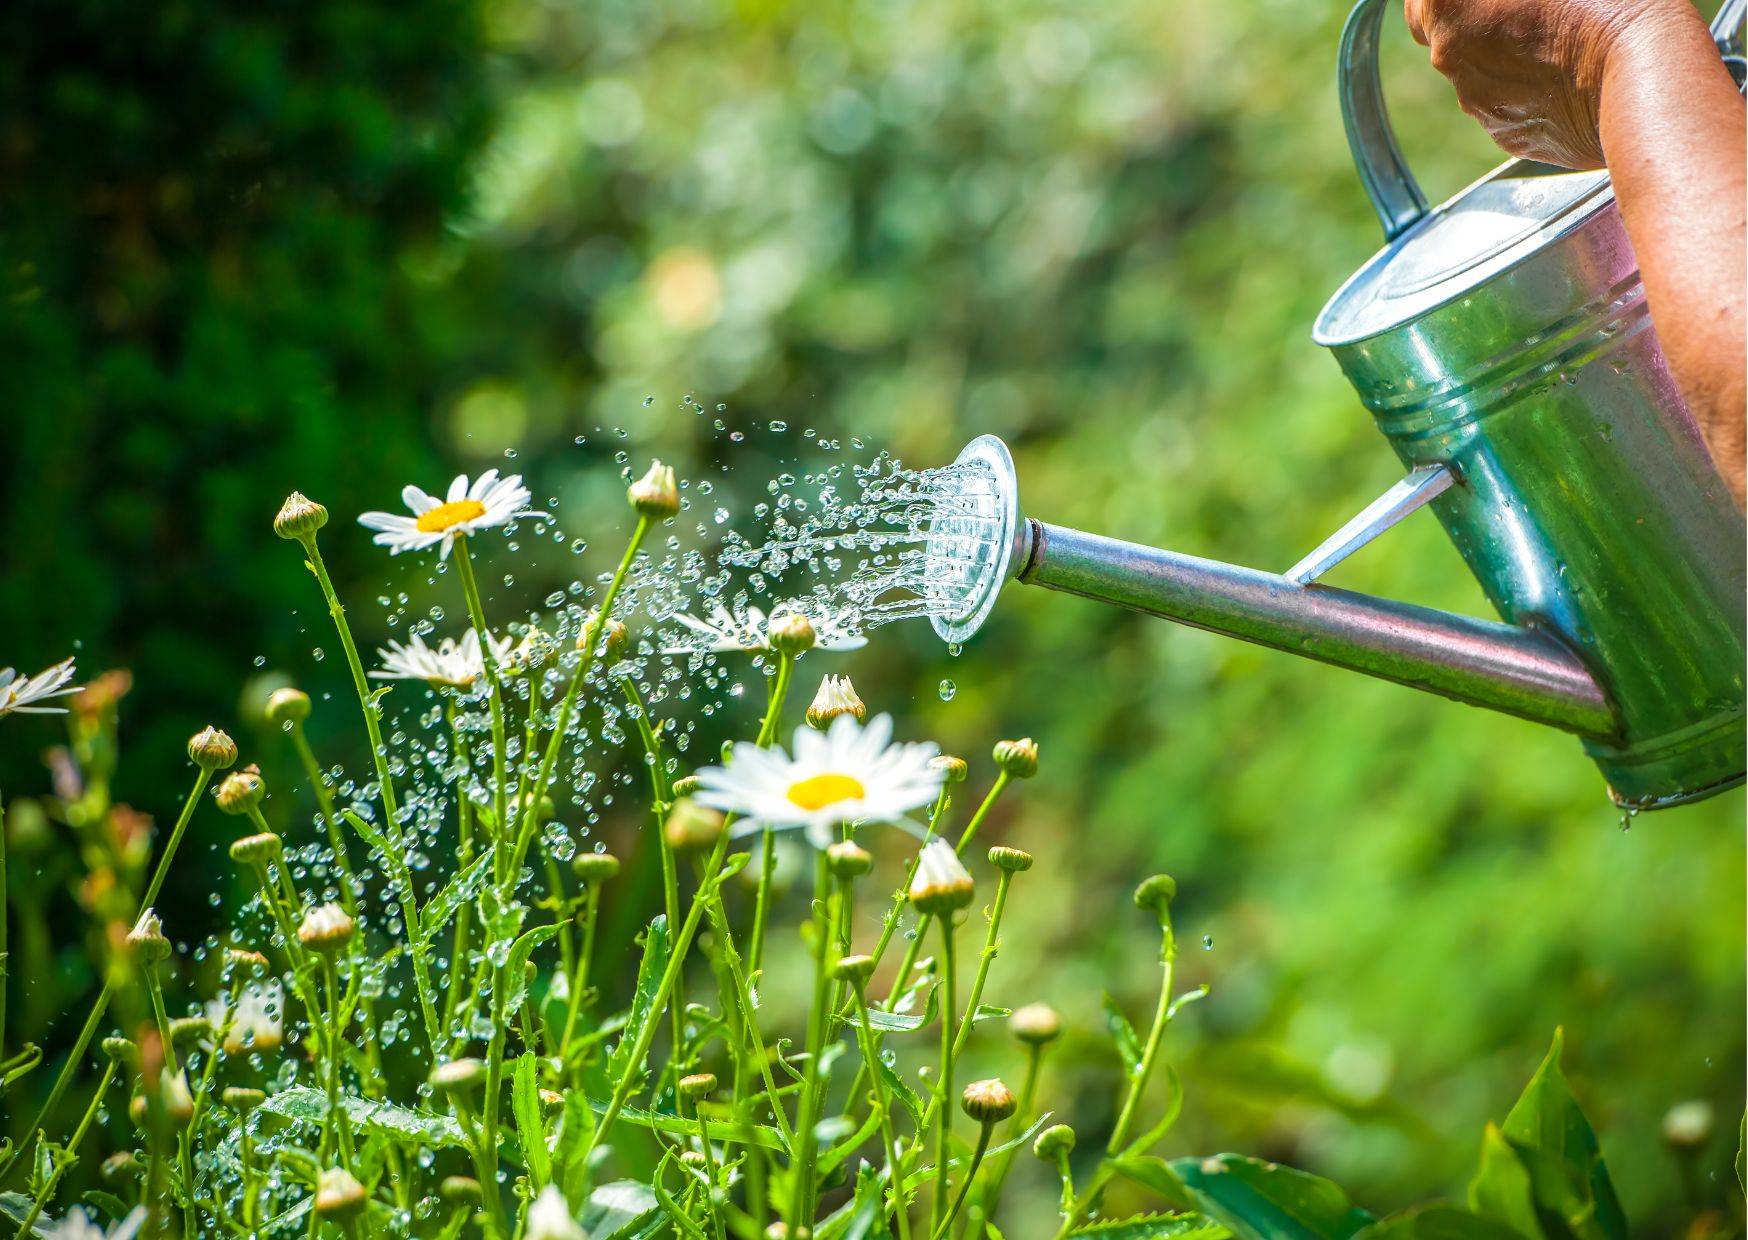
(749, 631)
(450, 664)
(549, 1218)
(259, 1023)
(78, 1225)
(847, 774)
(17, 692)
(489, 501)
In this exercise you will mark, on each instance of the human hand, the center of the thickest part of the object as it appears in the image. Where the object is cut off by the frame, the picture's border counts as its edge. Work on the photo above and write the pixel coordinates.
(1531, 71)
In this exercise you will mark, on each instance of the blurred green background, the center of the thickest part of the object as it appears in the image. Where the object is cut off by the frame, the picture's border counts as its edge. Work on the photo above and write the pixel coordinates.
(336, 246)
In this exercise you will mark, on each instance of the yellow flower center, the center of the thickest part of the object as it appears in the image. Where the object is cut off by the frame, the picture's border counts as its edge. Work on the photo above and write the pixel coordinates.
(447, 516)
(819, 791)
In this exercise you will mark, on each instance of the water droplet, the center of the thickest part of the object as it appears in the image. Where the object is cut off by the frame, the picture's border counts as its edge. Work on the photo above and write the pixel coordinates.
(947, 689)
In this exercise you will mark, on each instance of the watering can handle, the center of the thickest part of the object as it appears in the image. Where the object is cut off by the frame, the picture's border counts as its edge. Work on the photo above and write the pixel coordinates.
(1395, 194)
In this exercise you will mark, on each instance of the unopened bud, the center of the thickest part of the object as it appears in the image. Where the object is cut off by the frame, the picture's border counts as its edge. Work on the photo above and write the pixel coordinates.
(1017, 758)
(836, 697)
(848, 859)
(1035, 1024)
(241, 791)
(941, 885)
(687, 785)
(549, 1218)
(595, 868)
(257, 849)
(326, 928)
(122, 1051)
(856, 969)
(299, 517)
(536, 649)
(987, 1102)
(242, 1099)
(121, 1168)
(178, 1102)
(187, 1030)
(339, 1195)
(287, 705)
(617, 637)
(248, 963)
(953, 769)
(458, 1076)
(691, 827)
(698, 1085)
(1687, 1126)
(146, 940)
(211, 750)
(1054, 1142)
(1155, 895)
(655, 495)
(791, 633)
(1013, 860)
(460, 1190)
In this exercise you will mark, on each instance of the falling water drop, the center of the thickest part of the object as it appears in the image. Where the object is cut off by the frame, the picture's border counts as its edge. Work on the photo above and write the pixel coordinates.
(947, 690)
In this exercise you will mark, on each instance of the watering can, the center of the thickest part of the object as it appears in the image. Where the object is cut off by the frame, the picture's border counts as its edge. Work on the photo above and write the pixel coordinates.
(1502, 344)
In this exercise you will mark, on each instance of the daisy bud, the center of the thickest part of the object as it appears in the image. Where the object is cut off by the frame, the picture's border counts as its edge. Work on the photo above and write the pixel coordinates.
(691, 827)
(339, 1195)
(457, 1076)
(655, 495)
(1155, 895)
(533, 652)
(1053, 1142)
(687, 785)
(953, 769)
(987, 1102)
(257, 849)
(248, 963)
(186, 1030)
(618, 637)
(460, 1190)
(782, 1231)
(698, 1085)
(287, 705)
(122, 1050)
(173, 1092)
(941, 885)
(791, 633)
(856, 969)
(694, 1159)
(241, 790)
(1017, 758)
(1688, 1125)
(847, 859)
(146, 940)
(299, 517)
(1035, 1024)
(595, 868)
(326, 928)
(549, 1217)
(551, 1101)
(121, 1168)
(211, 750)
(836, 696)
(242, 1099)
(1013, 860)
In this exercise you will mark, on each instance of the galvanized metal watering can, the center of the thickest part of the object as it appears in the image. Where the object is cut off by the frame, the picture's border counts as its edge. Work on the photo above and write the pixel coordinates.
(1502, 344)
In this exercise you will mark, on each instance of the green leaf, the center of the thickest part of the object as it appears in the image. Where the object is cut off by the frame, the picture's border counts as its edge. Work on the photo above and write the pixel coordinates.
(516, 968)
(525, 1103)
(899, 1088)
(649, 980)
(1123, 1034)
(614, 1209)
(1742, 1154)
(1501, 1187)
(575, 1125)
(882, 1021)
(1156, 1227)
(1266, 1201)
(455, 893)
(988, 1011)
(304, 1105)
(369, 832)
(863, 1217)
(720, 1130)
(1566, 1167)
(1155, 1174)
(1438, 1220)
(16, 1206)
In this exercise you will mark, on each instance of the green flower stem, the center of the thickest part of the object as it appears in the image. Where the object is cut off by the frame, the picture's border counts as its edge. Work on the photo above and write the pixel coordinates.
(579, 977)
(991, 946)
(155, 989)
(330, 817)
(476, 610)
(870, 1053)
(664, 992)
(801, 1200)
(1002, 780)
(749, 1016)
(1065, 1169)
(710, 1178)
(944, 1113)
(1137, 1086)
(485, 1169)
(335, 1129)
(5, 914)
(589, 644)
(983, 1132)
(769, 726)
(203, 1090)
(385, 780)
(47, 1192)
(464, 856)
(83, 1041)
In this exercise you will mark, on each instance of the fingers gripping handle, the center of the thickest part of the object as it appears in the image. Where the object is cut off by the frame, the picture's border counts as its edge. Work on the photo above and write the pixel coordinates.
(1383, 170)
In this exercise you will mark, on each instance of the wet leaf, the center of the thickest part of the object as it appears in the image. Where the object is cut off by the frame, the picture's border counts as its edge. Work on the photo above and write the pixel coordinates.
(1156, 1227)
(304, 1105)
(525, 1103)
(1123, 1034)
(16, 1206)
(1266, 1201)
(614, 1209)
(1439, 1221)
(455, 893)
(656, 948)
(516, 968)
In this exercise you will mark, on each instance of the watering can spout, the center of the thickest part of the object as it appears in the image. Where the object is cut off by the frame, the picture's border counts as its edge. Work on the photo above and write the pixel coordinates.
(984, 542)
